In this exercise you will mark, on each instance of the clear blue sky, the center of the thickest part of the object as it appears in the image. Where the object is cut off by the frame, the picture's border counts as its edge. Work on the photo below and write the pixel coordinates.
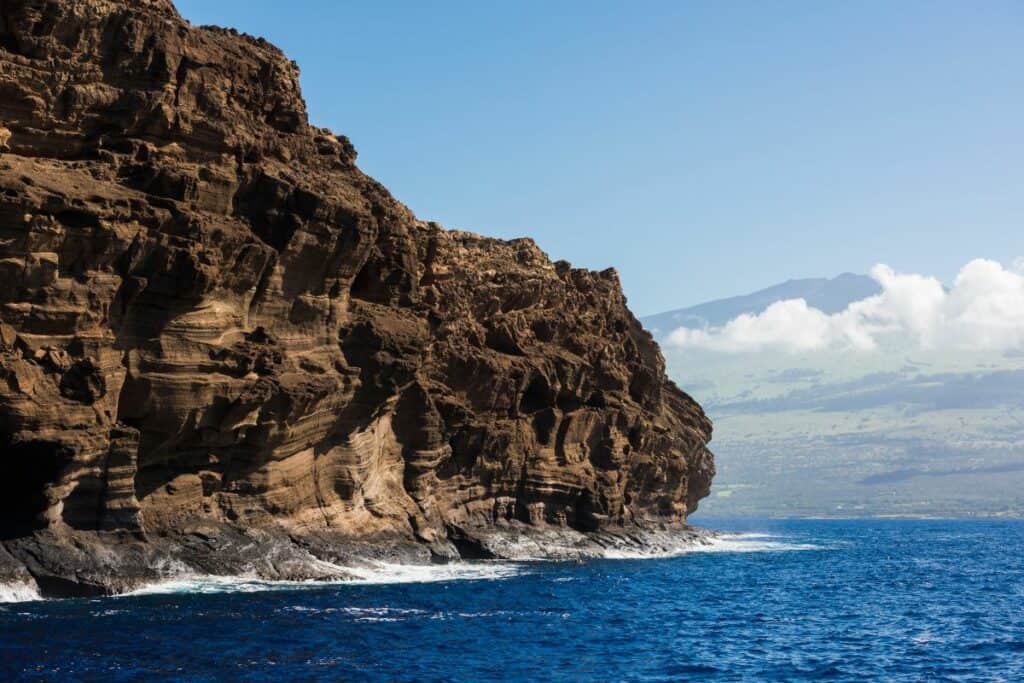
(704, 149)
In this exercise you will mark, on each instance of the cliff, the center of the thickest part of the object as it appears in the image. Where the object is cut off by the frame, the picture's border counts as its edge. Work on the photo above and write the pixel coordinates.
(223, 348)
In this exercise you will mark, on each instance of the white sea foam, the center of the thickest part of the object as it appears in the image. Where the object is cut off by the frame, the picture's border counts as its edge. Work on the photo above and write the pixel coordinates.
(391, 614)
(381, 573)
(429, 573)
(366, 613)
(194, 583)
(372, 574)
(721, 543)
(18, 592)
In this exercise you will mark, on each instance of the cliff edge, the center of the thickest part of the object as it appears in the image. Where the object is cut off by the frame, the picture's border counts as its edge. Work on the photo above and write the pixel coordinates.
(224, 349)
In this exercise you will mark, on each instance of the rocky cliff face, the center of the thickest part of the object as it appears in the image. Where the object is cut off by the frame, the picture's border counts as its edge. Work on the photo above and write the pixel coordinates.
(224, 348)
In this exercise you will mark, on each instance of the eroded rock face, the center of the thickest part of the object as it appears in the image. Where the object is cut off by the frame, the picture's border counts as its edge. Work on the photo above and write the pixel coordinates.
(212, 324)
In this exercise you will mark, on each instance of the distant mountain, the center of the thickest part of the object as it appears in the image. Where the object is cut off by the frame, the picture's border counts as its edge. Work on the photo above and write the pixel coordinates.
(899, 430)
(828, 295)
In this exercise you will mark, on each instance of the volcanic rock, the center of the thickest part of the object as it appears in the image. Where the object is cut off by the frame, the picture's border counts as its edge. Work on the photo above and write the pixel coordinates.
(225, 349)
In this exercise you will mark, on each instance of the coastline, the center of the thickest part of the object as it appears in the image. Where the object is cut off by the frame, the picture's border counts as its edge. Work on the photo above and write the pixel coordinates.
(47, 566)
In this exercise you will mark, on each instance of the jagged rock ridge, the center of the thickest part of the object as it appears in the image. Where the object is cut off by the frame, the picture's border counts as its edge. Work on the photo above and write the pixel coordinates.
(217, 333)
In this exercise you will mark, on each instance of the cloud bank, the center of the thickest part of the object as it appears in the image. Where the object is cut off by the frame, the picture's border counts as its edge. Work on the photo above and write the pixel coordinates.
(983, 310)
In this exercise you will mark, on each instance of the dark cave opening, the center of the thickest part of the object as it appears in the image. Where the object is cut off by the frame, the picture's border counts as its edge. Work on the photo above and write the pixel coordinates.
(29, 467)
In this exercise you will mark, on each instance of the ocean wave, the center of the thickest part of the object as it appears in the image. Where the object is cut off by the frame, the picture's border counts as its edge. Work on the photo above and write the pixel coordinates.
(383, 573)
(373, 574)
(18, 592)
(396, 614)
(720, 543)
(208, 584)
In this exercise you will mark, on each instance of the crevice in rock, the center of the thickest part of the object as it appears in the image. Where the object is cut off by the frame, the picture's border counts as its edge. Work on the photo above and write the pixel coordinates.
(537, 396)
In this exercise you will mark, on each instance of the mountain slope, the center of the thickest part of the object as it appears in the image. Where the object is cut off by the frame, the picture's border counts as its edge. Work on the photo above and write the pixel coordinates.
(898, 430)
(828, 295)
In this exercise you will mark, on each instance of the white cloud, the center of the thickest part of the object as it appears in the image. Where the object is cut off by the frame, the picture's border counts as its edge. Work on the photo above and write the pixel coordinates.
(983, 310)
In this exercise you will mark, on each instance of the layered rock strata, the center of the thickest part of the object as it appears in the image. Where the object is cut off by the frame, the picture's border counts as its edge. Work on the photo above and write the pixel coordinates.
(225, 349)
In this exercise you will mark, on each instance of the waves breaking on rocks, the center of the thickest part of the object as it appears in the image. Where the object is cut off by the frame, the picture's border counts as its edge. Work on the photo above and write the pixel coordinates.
(18, 592)
(520, 556)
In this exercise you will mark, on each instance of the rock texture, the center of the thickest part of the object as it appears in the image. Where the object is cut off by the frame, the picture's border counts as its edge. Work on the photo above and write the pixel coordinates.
(223, 348)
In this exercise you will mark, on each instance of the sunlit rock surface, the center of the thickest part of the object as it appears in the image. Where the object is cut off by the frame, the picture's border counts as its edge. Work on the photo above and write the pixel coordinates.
(224, 349)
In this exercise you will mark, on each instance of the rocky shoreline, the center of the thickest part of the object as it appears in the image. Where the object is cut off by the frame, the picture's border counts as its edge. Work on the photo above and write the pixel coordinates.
(88, 565)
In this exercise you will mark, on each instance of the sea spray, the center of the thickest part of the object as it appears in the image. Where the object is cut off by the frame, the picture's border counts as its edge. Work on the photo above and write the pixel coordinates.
(18, 592)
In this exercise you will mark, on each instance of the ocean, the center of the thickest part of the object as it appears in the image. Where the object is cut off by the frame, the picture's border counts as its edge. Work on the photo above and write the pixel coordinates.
(792, 600)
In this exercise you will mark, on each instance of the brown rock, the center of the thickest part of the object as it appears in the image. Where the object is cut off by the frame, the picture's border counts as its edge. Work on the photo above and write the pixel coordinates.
(211, 320)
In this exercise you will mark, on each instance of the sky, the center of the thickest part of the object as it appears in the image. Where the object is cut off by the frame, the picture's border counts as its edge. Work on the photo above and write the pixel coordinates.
(703, 149)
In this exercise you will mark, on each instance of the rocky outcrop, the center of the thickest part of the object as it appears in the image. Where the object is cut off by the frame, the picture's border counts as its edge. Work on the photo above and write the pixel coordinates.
(224, 348)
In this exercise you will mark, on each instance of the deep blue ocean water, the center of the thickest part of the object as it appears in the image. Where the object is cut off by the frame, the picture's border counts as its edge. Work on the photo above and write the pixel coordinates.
(786, 601)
